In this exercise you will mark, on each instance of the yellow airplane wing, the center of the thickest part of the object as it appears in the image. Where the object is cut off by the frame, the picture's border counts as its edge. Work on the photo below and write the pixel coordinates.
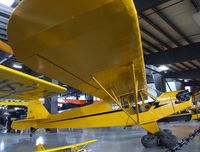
(17, 85)
(5, 47)
(74, 147)
(76, 41)
(13, 103)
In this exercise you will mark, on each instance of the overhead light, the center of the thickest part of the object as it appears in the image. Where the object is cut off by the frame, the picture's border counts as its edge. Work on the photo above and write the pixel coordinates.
(17, 66)
(186, 80)
(163, 68)
(17, 108)
(64, 85)
(41, 99)
(7, 2)
(41, 76)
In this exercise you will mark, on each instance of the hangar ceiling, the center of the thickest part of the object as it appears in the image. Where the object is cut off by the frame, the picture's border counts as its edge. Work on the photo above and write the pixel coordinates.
(170, 34)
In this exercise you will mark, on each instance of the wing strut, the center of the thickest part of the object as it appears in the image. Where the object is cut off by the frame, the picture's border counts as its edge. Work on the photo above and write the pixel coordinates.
(114, 98)
(135, 92)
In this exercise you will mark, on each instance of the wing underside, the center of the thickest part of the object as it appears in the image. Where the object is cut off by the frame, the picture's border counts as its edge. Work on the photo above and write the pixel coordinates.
(71, 41)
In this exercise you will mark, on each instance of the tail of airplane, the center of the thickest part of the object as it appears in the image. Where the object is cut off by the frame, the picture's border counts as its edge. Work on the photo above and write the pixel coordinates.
(11, 102)
(36, 112)
(40, 147)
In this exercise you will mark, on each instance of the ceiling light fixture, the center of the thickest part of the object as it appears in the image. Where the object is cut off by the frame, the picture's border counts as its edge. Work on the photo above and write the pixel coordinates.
(163, 68)
(17, 66)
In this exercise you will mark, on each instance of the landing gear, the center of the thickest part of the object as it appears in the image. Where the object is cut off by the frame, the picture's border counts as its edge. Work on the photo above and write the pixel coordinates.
(168, 141)
(149, 141)
(163, 138)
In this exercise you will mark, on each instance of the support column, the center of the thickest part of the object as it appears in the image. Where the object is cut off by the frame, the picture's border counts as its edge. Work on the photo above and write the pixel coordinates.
(51, 105)
(89, 99)
(159, 81)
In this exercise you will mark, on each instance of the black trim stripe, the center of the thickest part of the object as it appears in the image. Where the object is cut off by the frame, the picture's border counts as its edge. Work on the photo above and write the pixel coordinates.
(103, 113)
(157, 105)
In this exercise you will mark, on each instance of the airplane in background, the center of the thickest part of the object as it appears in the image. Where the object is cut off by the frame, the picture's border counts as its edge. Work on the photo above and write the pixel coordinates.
(11, 102)
(94, 46)
(79, 147)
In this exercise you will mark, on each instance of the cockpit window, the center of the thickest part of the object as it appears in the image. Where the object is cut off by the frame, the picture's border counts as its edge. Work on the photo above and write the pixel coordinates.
(145, 101)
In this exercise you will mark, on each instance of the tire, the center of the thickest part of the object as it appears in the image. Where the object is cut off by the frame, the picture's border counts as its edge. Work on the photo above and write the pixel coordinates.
(169, 132)
(168, 141)
(149, 141)
(160, 134)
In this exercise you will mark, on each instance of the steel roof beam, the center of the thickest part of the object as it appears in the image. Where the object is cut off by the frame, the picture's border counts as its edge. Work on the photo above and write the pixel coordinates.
(174, 55)
(187, 74)
(142, 5)
(147, 50)
(192, 83)
(154, 37)
(159, 29)
(5, 11)
(171, 24)
(151, 44)
(4, 38)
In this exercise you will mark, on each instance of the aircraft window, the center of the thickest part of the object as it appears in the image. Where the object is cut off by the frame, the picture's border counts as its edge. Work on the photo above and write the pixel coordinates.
(126, 101)
(145, 101)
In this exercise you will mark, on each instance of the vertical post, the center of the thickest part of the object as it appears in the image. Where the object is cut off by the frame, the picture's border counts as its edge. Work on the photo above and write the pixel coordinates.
(89, 99)
(115, 99)
(142, 98)
(51, 105)
(135, 92)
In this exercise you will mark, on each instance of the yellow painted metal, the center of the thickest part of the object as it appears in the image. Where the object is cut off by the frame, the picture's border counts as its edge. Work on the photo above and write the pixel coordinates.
(17, 85)
(40, 147)
(36, 112)
(5, 47)
(75, 147)
(194, 111)
(77, 40)
(12, 102)
(114, 98)
(40, 113)
(135, 92)
(152, 127)
(72, 40)
(196, 116)
(102, 115)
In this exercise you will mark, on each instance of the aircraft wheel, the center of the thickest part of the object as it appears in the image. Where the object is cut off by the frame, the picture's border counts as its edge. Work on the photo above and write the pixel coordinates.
(168, 131)
(160, 134)
(168, 141)
(149, 141)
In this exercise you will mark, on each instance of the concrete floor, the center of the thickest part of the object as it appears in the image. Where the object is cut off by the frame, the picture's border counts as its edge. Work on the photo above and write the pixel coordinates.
(109, 139)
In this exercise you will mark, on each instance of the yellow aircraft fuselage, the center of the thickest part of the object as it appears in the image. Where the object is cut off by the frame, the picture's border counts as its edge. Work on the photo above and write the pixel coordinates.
(102, 115)
(94, 46)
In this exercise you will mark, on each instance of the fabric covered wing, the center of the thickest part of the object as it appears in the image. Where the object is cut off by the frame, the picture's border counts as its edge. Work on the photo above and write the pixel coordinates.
(73, 40)
(17, 85)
